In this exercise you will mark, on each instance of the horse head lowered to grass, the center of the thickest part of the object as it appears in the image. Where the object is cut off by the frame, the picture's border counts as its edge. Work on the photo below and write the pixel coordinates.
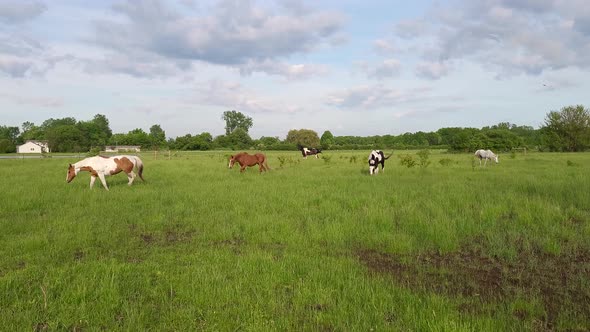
(100, 167)
(247, 160)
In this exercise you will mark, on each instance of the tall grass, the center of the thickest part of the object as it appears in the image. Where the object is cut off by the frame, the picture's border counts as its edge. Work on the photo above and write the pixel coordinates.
(309, 245)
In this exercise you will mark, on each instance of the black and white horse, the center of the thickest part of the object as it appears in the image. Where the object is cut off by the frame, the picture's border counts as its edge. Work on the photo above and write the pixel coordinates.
(309, 152)
(375, 158)
(487, 155)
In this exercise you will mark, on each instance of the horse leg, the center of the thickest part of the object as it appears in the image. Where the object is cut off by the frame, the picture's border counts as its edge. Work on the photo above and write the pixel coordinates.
(131, 177)
(242, 168)
(92, 179)
(103, 181)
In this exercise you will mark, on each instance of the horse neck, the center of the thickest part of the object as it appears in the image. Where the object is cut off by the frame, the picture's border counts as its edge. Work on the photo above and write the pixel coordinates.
(88, 162)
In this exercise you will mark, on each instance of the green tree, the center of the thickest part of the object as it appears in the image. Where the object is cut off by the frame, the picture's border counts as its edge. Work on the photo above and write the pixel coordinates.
(305, 137)
(6, 146)
(9, 133)
(65, 138)
(102, 124)
(157, 135)
(31, 132)
(234, 120)
(327, 140)
(571, 125)
(239, 139)
(138, 137)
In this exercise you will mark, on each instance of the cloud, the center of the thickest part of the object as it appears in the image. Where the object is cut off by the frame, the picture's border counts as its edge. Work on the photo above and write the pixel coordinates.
(382, 70)
(15, 67)
(18, 11)
(238, 33)
(508, 37)
(289, 71)
(432, 70)
(230, 95)
(48, 102)
(370, 97)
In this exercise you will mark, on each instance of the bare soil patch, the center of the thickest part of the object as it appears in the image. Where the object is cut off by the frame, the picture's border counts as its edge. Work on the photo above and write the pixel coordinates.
(555, 279)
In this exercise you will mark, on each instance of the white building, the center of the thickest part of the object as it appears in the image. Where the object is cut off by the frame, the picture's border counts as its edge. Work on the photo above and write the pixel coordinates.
(122, 148)
(33, 147)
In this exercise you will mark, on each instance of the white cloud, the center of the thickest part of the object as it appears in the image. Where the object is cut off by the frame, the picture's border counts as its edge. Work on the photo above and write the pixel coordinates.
(232, 95)
(432, 70)
(237, 33)
(18, 11)
(370, 97)
(38, 101)
(509, 37)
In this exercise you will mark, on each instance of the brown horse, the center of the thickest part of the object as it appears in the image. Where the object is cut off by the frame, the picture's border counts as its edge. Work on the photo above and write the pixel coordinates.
(247, 160)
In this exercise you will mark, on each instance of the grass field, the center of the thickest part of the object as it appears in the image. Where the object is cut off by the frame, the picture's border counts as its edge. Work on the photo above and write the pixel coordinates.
(314, 244)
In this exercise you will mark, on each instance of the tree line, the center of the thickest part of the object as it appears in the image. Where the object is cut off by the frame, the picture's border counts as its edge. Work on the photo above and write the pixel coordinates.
(564, 130)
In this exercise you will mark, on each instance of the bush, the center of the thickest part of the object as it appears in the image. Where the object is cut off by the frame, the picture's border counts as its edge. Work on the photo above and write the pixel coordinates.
(93, 152)
(407, 160)
(445, 161)
(423, 155)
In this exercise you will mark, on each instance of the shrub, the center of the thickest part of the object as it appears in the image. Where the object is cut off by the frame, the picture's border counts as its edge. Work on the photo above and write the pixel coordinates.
(93, 152)
(424, 155)
(445, 161)
(407, 160)
(282, 160)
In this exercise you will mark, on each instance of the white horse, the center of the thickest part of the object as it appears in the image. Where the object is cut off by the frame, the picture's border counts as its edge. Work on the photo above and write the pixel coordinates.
(487, 155)
(100, 167)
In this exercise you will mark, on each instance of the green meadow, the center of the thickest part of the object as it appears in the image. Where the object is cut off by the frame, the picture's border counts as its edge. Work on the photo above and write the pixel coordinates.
(313, 244)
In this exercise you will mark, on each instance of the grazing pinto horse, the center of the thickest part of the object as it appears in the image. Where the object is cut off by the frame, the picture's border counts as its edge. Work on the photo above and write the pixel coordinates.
(487, 155)
(100, 167)
(248, 160)
(375, 158)
(309, 152)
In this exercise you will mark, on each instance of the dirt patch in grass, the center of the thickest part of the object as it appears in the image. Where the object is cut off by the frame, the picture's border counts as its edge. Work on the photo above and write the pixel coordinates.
(468, 272)
(168, 236)
(236, 244)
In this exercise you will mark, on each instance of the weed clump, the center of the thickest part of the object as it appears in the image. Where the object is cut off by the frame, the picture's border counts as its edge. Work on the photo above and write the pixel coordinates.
(407, 160)
(445, 161)
(424, 155)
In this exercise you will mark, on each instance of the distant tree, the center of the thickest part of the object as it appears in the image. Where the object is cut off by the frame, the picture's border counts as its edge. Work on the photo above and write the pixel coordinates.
(8, 139)
(327, 140)
(305, 137)
(6, 146)
(568, 129)
(267, 142)
(157, 136)
(139, 137)
(26, 126)
(31, 132)
(65, 138)
(239, 139)
(234, 120)
(9, 133)
(102, 124)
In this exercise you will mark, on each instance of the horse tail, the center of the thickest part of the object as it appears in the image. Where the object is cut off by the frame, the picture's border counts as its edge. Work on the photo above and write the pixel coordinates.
(266, 163)
(391, 154)
(139, 168)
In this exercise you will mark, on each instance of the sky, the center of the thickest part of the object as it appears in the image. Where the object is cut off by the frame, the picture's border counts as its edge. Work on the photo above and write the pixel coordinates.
(358, 68)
